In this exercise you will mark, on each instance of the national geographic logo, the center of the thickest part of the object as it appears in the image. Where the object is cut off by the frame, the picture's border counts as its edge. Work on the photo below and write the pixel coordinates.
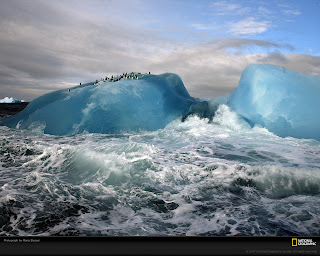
(303, 242)
(294, 241)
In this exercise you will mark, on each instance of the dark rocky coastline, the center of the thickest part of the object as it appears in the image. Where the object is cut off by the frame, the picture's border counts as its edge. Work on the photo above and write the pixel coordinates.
(8, 109)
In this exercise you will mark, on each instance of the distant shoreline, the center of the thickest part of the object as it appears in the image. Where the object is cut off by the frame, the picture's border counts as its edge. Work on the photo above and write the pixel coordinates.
(8, 109)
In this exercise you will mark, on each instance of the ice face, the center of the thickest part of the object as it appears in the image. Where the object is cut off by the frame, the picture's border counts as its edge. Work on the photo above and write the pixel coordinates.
(285, 102)
(149, 103)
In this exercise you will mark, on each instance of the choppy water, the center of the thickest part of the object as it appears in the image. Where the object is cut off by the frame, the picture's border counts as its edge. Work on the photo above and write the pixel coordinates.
(191, 178)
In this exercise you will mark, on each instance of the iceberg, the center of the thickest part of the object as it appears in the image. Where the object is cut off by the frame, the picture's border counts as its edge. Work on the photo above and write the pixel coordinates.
(10, 100)
(285, 102)
(148, 102)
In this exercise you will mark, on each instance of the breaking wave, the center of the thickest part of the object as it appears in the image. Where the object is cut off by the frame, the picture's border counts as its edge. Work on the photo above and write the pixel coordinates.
(203, 176)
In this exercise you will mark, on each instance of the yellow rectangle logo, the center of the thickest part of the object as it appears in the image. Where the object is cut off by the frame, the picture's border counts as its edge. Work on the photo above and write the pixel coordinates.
(294, 241)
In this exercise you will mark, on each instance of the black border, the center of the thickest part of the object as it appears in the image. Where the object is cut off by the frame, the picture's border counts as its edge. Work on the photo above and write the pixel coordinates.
(137, 245)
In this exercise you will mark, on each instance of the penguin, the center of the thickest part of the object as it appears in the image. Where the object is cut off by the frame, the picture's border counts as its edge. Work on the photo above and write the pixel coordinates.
(80, 83)
(149, 72)
(69, 90)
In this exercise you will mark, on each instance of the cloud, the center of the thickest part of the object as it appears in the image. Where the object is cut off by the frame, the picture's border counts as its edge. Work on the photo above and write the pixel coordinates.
(224, 6)
(211, 69)
(245, 43)
(228, 8)
(303, 63)
(249, 26)
(264, 11)
(289, 9)
(201, 26)
(292, 12)
(47, 46)
(66, 46)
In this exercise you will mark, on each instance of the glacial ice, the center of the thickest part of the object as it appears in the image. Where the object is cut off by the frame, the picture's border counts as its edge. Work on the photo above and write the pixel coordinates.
(147, 103)
(10, 100)
(285, 102)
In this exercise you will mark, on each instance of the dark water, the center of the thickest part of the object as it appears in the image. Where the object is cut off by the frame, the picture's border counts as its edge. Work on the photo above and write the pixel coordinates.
(7, 109)
(192, 178)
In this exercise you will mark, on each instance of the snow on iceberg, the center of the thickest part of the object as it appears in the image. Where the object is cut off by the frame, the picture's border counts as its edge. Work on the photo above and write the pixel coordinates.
(10, 100)
(285, 102)
(149, 102)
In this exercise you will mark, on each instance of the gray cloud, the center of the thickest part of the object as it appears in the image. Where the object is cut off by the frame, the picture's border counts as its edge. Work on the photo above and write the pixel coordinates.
(44, 45)
(304, 63)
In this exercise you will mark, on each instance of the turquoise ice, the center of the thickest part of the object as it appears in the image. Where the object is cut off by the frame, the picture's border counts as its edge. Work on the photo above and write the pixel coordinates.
(285, 102)
(147, 103)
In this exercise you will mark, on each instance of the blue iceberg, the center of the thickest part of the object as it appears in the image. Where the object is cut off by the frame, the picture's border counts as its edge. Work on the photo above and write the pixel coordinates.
(285, 102)
(281, 100)
(145, 102)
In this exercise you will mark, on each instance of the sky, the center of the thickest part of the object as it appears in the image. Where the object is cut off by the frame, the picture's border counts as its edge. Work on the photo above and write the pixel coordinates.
(51, 45)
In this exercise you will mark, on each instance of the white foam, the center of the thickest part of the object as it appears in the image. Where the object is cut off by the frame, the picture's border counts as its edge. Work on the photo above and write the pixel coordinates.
(190, 178)
(229, 119)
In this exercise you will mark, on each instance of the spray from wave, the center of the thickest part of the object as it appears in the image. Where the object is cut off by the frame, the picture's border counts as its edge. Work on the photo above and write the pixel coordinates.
(197, 177)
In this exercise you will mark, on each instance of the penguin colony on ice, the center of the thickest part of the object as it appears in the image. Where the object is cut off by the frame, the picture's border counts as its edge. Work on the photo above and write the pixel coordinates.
(117, 78)
(132, 75)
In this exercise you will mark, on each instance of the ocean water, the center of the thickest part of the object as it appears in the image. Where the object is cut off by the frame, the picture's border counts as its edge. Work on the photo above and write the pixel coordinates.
(192, 178)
